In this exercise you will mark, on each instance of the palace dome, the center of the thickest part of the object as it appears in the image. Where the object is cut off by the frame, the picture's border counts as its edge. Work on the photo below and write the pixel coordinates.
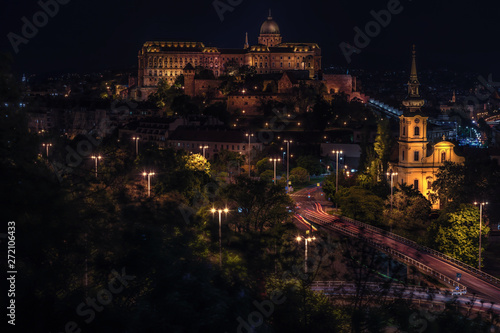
(270, 27)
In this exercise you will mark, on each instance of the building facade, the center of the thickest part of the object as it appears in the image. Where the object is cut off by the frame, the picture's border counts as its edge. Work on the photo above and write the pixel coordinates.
(166, 60)
(418, 161)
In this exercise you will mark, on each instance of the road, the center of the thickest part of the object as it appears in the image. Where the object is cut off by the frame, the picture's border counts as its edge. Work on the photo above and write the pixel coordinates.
(310, 201)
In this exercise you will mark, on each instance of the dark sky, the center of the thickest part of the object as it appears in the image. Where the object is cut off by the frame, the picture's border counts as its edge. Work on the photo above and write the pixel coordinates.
(92, 35)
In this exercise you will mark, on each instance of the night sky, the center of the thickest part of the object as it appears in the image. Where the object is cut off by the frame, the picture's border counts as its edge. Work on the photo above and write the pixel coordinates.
(96, 35)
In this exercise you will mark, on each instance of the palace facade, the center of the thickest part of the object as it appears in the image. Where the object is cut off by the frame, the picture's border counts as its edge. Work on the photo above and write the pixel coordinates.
(167, 60)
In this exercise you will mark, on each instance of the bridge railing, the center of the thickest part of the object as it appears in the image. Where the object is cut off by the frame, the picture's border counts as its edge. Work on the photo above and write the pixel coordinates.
(326, 285)
(462, 289)
(485, 276)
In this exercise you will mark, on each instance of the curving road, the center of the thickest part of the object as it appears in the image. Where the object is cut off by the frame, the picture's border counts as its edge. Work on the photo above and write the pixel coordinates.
(310, 201)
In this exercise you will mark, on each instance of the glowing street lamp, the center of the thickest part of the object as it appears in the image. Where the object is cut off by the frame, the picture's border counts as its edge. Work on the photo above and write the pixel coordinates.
(274, 160)
(249, 151)
(225, 210)
(337, 152)
(287, 163)
(149, 174)
(47, 145)
(204, 147)
(96, 158)
(136, 138)
(481, 204)
(306, 239)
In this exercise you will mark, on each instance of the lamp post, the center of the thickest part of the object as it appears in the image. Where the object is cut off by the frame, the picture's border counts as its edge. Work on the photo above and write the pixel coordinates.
(337, 152)
(47, 145)
(96, 158)
(149, 174)
(481, 204)
(136, 139)
(204, 147)
(274, 160)
(392, 174)
(225, 210)
(287, 163)
(249, 152)
(306, 239)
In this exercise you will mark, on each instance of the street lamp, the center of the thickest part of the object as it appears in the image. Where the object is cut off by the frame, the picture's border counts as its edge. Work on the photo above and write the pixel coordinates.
(306, 239)
(136, 138)
(274, 160)
(47, 145)
(204, 147)
(481, 204)
(337, 152)
(225, 210)
(249, 151)
(149, 174)
(96, 158)
(287, 163)
(392, 174)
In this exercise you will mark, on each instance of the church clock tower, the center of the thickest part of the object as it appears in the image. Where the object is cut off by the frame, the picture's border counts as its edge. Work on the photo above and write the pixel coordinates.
(413, 125)
(416, 165)
(413, 101)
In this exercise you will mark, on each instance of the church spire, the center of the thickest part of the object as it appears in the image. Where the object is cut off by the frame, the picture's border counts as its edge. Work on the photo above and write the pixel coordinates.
(413, 75)
(270, 17)
(246, 41)
(413, 101)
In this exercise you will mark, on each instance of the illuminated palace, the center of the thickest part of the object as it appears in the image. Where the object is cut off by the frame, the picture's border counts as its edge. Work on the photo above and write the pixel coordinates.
(167, 60)
(418, 162)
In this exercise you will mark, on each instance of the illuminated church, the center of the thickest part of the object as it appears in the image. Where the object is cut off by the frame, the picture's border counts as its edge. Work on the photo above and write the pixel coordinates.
(167, 60)
(418, 162)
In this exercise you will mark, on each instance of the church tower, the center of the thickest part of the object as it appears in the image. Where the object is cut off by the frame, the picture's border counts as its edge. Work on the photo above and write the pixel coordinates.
(270, 32)
(413, 101)
(416, 164)
(412, 124)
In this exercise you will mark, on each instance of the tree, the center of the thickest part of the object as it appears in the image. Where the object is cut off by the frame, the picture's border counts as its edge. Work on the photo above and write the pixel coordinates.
(163, 96)
(409, 215)
(311, 164)
(263, 206)
(263, 165)
(318, 118)
(360, 204)
(184, 106)
(228, 161)
(267, 175)
(197, 162)
(219, 111)
(383, 145)
(299, 175)
(303, 310)
(476, 179)
(329, 186)
(457, 234)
